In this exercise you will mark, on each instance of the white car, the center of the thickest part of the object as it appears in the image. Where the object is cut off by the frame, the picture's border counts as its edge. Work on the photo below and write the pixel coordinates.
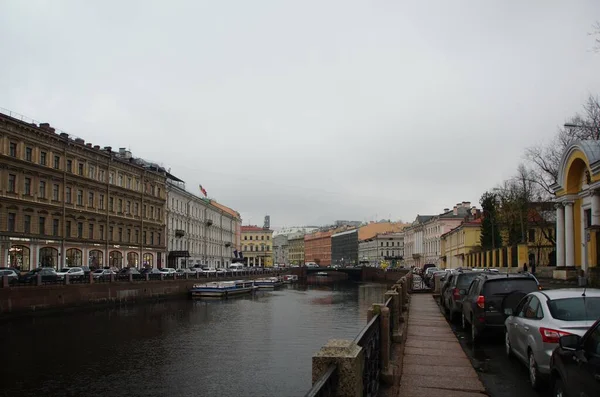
(183, 271)
(168, 270)
(102, 273)
(221, 270)
(73, 272)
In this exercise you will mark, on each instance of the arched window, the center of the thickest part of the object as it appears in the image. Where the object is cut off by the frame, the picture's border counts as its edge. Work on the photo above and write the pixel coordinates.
(18, 257)
(95, 259)
(115, 259)
(73, 257)
(132, 259)
(48, 257)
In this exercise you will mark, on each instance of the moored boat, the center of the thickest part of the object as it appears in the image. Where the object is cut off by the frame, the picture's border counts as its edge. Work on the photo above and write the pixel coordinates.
(290, 278)
(267, 282)
(222, 289)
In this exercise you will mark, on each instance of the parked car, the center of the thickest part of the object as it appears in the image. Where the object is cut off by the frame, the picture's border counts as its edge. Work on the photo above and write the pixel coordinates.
(491, 296)
(153, 273)
(541, 318)
(73, 272)
(48, 275)
(182, 271)
(12, 276)
(575, 365)
(168, 271)
(455, 291)
(102, 274)
(126, 271)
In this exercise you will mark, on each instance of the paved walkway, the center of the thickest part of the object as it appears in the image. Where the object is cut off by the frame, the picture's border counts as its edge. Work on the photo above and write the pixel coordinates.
(434, 363)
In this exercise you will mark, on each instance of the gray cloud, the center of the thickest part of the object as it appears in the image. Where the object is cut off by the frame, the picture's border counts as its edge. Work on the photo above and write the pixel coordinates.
(308, 111)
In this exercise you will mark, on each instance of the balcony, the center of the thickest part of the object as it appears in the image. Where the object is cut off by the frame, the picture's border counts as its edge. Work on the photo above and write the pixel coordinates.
(179, 232)
(227, 244)
(209, 222)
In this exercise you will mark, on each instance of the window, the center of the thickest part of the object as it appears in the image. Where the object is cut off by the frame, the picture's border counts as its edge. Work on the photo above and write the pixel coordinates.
(129, 182)
(101, 175)
(159, 214)
(111, 178)
(250, 237)
(387, 253)
(43, 158)
(120, 207)
(382, 243)
(12, 179)
(56, 162)
(531, 235)
(101, 232)
(144, 238)
(92, 172)
(111, 204)
(13, 150)
(42, 225)
(128, 235)
(145, 211)
(245, 237)
(120, 180)
(70, 165)
(68, 229)
(387, 244)
(592, 344)
(128, 207)
(55, 190)
(90, 199)
(27, 190)
(80, 168)
(11, 221)
(158, 192)
(151, 212)
(42, 189)
(120, 234)
(55, 226)
(575, 309)
(111, 232)
(137, 185)
(27, 223)
(262, 237)
(101, 202)
(268, 237)
(68, 195)
(79, 197)
(91, 231)
(136, 209)
(151, 238)
(158, 238)
(137, 236)
(79, 229)
(28, 153)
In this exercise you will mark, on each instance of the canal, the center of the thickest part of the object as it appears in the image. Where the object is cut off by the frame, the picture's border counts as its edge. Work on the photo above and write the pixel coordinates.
(249, 346)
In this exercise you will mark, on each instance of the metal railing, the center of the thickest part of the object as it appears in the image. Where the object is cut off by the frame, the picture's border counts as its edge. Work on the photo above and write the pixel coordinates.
(325, 386)
(370, 340)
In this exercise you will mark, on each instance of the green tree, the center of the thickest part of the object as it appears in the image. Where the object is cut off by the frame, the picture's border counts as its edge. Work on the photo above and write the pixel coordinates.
(490, 233)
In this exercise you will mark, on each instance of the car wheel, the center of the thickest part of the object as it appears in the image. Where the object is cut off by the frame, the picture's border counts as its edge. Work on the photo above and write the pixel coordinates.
(558, 389)
(473, 332)
(534, 375)
(507, 346)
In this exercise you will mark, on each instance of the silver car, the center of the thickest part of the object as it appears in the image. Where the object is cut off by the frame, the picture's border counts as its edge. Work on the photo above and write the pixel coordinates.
(541, 318)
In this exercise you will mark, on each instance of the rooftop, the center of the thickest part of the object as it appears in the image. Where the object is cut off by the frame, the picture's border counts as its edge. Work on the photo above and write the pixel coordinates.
(254, 228)
(373, 229)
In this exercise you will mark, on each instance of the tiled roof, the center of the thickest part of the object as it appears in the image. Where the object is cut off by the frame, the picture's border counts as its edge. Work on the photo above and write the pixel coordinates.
(226, 209)
(253, 228)
(373, 229)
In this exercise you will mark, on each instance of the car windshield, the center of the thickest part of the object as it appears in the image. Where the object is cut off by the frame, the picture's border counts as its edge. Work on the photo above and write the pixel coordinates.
(505, 286)
(64, 270)
(98, 271)
(464, 280)
(575, 309)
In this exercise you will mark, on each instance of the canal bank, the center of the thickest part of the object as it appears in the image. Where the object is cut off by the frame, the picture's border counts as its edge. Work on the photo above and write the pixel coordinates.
(259, 345)
(28, 300)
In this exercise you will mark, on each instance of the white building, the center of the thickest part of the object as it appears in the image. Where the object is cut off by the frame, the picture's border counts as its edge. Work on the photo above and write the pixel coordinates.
(414, 242)
(281, 251)
(198, 232)
(383, 246)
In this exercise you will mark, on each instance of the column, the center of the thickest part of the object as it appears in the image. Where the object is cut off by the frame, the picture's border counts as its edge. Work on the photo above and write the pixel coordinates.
(595, 207)
(569, 235)
(560, 234)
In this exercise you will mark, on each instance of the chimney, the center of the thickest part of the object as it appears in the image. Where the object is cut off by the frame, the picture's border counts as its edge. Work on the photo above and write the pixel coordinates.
(45, 125)
(79, 140)
(455, 210)
(446, 210)
(97, 147)
(64, 135)
(108, 148)
(466, 204)
(88, 144)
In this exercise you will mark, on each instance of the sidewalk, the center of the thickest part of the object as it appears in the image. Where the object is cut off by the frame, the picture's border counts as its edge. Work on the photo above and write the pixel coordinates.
(434, 363)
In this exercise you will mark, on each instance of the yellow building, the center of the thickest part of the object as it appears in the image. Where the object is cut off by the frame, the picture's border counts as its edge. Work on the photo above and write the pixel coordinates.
(578, 209)
(458, 242)
(257, 246)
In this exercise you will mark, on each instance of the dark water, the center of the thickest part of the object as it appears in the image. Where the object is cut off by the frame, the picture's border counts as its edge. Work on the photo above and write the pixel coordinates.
(249, 346)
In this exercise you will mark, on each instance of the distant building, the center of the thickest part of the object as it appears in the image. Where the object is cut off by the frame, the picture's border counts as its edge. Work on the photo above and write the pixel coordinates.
(257, 246)
(295, 229)
(457, 243)
(383, 246)
(296, 248)
(281, 249)
(317, 247)
(348, 223)
(344, 248)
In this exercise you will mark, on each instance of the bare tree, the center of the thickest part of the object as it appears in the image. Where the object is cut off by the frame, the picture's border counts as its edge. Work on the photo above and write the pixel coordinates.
(596, 34)
(544, 159)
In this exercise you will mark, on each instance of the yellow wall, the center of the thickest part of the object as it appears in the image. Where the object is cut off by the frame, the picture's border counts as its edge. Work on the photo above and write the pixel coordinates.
(259, 237)
(458, 243)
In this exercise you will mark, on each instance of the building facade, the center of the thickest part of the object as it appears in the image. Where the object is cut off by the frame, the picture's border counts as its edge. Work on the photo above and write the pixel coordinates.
(344, 248)
(257, 246)
(317, 247)
(296, 248)
(200, 232)
(457, 243)
(281, 249)
(68, 203)
(414, 242)
(382, 247)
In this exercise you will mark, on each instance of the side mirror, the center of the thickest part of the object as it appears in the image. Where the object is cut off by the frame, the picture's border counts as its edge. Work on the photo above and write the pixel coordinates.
(570, 342)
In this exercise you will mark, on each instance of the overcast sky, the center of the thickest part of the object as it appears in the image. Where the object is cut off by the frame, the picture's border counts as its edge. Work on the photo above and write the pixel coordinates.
(309, 111)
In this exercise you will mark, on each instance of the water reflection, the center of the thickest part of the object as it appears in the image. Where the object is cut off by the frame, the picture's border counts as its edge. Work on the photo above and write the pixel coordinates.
(250, 346)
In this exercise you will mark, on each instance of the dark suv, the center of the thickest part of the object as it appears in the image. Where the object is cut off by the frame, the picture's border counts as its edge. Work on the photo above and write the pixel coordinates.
(454, 291)
(492, 297)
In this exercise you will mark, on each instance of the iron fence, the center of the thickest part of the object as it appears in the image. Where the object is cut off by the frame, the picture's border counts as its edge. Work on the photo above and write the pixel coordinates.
(369, 339)
(326, 385)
